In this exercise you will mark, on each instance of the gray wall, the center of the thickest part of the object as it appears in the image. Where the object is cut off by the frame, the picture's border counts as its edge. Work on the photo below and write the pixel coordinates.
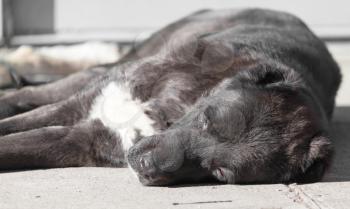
(33, 16)
(326, 17)
(128, 20)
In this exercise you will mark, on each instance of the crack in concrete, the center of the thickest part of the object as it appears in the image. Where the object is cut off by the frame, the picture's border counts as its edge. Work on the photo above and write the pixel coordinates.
(204, 202)
(305, 199)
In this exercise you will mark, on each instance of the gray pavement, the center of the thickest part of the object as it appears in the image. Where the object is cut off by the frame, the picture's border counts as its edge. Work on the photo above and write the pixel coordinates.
(99, 188)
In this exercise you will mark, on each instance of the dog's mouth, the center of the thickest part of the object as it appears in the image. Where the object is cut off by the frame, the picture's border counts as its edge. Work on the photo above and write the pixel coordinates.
(159, 162)
(146, 169)
(149, 180)
(148, 173)
(223, 175)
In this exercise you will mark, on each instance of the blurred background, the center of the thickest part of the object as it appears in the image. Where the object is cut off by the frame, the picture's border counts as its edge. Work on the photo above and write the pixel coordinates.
(42, 22)
(53, 38)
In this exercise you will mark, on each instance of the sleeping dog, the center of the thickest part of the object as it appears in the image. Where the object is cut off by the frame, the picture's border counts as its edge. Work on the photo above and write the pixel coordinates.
(237, 96)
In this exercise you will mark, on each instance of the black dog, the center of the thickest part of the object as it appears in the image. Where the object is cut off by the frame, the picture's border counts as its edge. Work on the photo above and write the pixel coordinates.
(238, 96)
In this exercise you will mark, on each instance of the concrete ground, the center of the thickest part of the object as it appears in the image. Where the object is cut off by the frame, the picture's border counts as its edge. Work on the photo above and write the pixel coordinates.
(99, 188)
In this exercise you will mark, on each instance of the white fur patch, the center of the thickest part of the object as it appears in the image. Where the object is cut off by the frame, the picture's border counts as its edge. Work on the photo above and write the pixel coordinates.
(119, 112)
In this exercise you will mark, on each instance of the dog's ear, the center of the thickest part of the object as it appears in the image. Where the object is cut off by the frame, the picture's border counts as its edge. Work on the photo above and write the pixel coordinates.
(316, 160)
(213, 56)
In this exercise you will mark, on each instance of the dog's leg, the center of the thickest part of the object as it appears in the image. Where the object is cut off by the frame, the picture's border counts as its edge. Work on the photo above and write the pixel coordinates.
(30, 98)
(64, 113)
(85, 144)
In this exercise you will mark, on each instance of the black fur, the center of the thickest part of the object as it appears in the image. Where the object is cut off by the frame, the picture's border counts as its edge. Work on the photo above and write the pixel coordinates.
(245, 95)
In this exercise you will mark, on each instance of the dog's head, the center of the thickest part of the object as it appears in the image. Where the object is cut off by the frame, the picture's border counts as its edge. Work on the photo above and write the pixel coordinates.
(242, 132)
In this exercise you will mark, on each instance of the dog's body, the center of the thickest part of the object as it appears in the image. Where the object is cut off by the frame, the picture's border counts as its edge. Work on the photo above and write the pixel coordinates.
(242, 96)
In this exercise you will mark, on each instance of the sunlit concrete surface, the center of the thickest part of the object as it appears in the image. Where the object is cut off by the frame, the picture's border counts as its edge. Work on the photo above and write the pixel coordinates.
(341, 52)
(99, 188)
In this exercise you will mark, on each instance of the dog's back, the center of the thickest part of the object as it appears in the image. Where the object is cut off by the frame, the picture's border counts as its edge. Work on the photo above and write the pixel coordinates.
(224, 42)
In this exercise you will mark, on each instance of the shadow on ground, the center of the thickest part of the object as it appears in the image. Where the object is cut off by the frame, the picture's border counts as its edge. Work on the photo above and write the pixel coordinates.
(340, 132)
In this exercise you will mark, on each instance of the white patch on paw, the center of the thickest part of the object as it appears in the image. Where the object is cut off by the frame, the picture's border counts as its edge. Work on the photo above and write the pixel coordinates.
(118, 111)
